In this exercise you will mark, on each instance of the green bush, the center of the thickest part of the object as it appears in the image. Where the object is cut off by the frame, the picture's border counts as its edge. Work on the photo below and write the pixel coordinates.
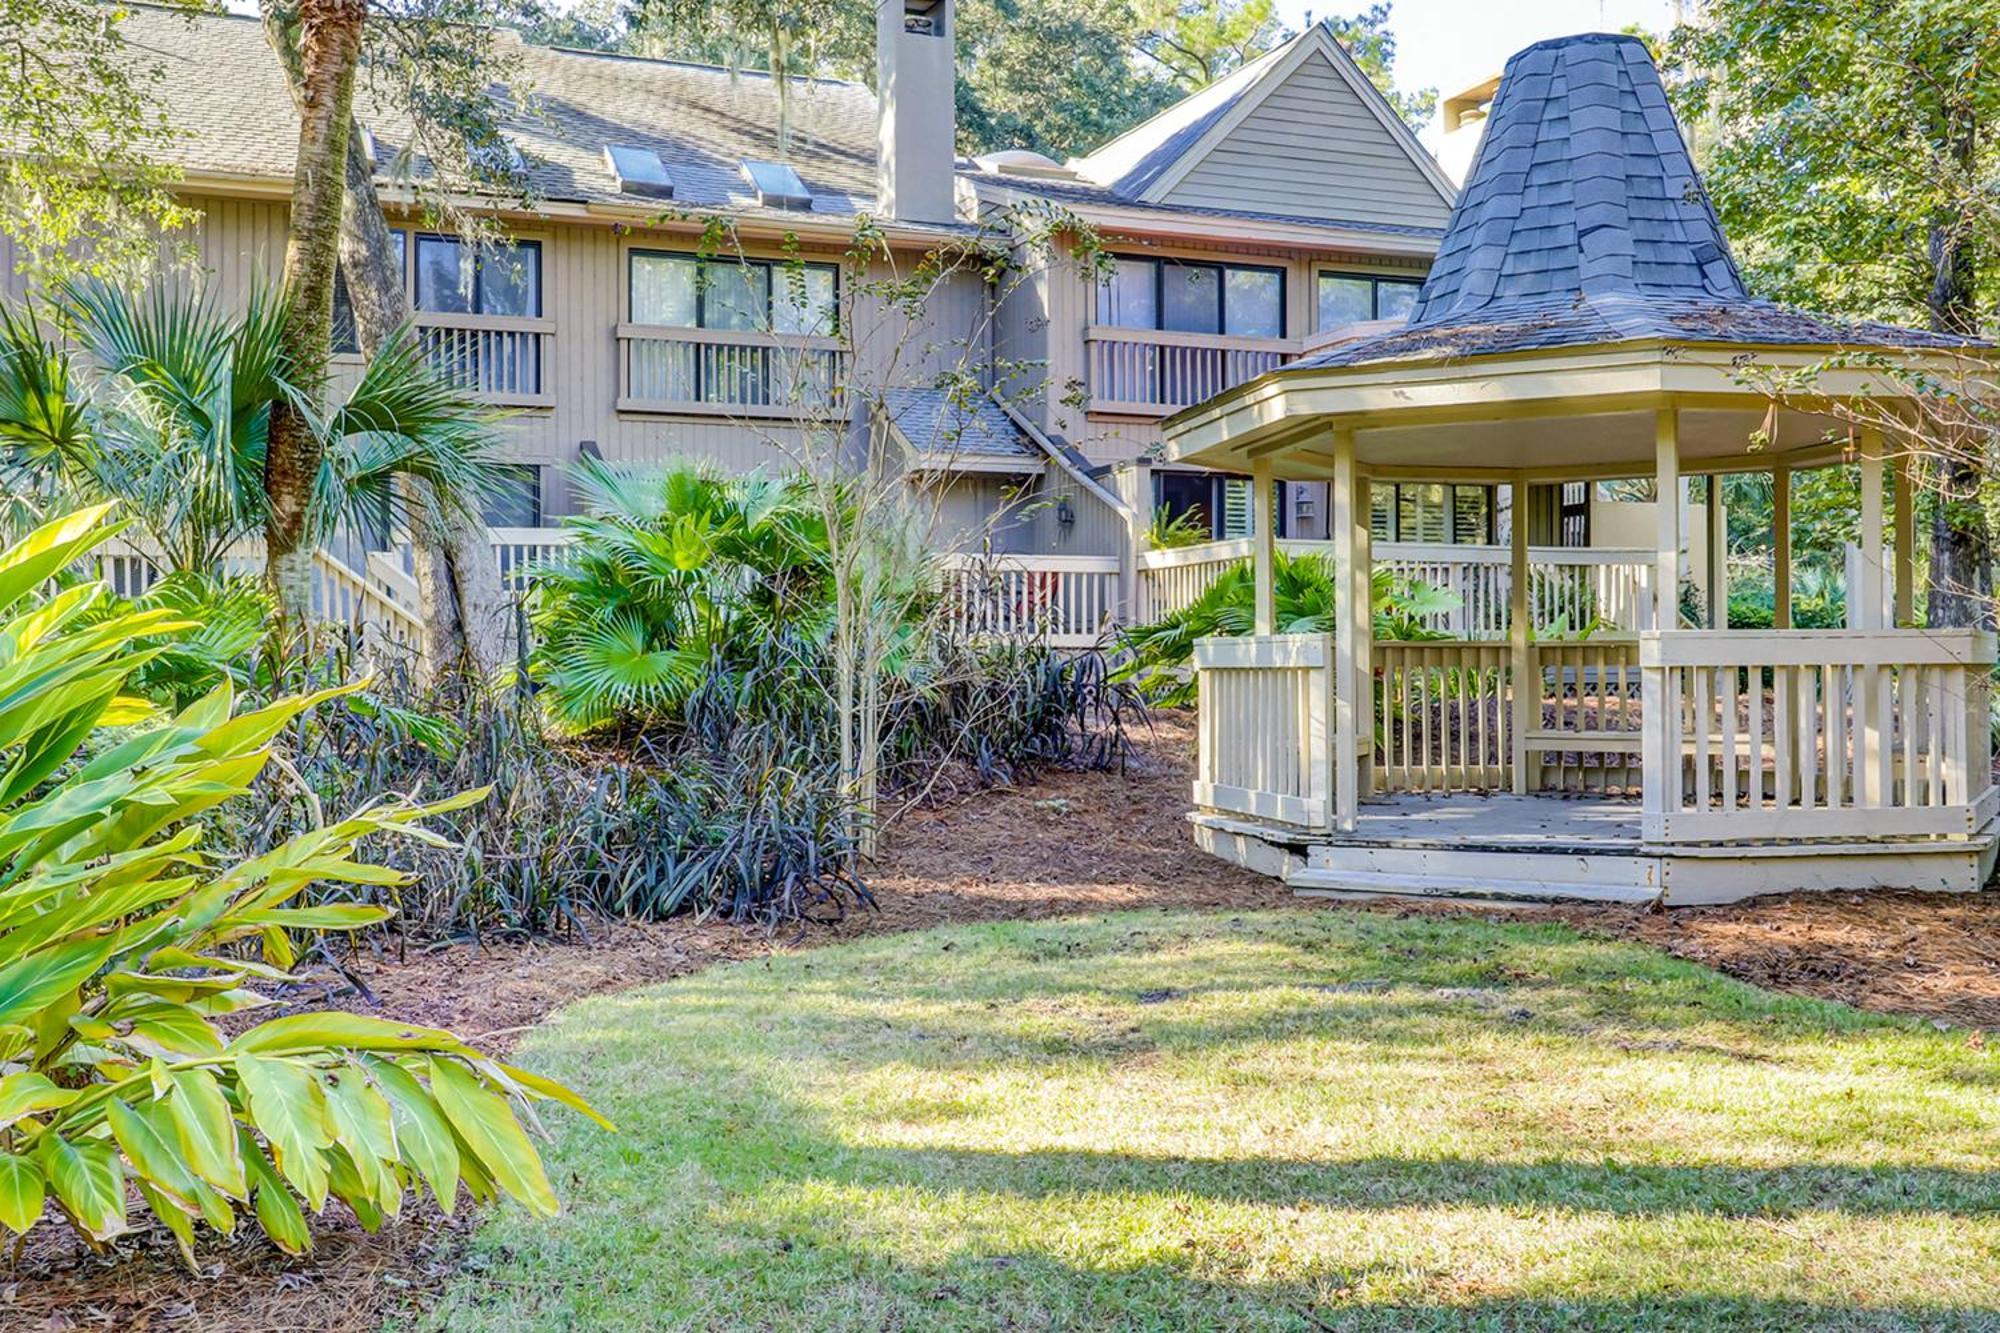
(1157, 656)
(123, 940)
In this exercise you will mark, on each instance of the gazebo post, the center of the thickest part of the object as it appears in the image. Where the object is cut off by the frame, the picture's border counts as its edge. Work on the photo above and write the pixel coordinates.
(1667, 513)
(1264, 545)
(1352, 598)
(1781, 546)
(1527, 692)
(1865, 602)
(1906, 524)
(1715, 580)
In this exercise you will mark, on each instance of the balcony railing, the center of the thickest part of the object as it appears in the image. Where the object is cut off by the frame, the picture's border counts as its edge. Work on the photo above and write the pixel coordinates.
(1151, 372)
(717, 372)
(1572, 589)
(503, 358)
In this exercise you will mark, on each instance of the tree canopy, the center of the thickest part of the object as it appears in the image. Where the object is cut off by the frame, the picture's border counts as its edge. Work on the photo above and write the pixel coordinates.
(1056, 76)
(1852, 149)
(83, 174)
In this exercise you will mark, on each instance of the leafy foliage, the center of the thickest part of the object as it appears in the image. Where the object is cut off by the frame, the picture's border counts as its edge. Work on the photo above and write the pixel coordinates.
(673, 573)
(1060, 77)
(165, 406)
(1850, 148)
(81, 183)
(1171, 531)
(122, 942)
(1158, 655)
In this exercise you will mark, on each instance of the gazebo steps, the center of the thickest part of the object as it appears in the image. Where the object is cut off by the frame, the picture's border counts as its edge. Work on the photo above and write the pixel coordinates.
(1470, 859)
(1597, 876)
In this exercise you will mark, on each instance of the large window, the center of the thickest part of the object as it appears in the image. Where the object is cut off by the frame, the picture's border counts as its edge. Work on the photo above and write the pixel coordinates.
(680, 291)
(1356, 298)
(1435, 512)
(456, 278)
(749, 296)
(1181, 296)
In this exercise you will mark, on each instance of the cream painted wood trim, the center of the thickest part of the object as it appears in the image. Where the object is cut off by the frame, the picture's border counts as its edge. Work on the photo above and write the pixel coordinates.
(1116, 333)
(438, 319)
(1817, 647)
(783, 342)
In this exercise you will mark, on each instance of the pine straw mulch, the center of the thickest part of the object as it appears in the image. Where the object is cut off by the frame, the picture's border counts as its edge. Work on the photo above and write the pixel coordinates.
(1070, 843)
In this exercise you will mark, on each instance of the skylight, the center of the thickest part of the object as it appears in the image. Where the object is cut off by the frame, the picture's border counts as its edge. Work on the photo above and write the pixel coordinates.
(778, 186)
(638, 171)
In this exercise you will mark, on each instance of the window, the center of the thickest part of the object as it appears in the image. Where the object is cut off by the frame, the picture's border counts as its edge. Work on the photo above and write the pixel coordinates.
(346, 333)
(1629, 490)
(454, 278)
(751, 296)
(1355, 298)
(1434, 512)
(516, 499)
(1218, 502)
(679, 291)
(1182, 296)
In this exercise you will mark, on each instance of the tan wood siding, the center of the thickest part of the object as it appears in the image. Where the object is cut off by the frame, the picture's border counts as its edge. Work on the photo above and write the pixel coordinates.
(1312, 149)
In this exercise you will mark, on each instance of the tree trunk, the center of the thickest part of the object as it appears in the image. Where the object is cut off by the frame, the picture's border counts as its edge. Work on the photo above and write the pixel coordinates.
(458, 582)
(1961, 582)
(329, 46)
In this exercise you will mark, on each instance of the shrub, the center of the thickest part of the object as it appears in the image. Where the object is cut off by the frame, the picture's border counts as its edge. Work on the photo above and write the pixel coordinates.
(122, 942)
(1157, 656)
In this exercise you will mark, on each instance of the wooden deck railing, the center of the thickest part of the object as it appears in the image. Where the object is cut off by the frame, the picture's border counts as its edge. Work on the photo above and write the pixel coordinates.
(1069, 600)
(1152, 372)
(1441, 716)
(503, 358)
(1265, 731)
(1804, 734)
(1571, 589)
(718, 372)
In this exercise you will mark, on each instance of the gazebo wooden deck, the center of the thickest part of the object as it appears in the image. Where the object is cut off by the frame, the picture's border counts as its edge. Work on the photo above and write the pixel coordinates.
(1585, 321)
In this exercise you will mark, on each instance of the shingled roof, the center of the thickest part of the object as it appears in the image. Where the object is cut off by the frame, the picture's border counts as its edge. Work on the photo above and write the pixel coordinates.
(224, 95)
(1584, 221)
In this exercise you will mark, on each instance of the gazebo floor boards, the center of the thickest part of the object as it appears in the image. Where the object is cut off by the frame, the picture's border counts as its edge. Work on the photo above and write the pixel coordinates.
(1554, 848)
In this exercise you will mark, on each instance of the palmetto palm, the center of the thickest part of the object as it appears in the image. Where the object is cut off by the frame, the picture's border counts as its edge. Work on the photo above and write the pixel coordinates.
(671, 573)
(162, 401)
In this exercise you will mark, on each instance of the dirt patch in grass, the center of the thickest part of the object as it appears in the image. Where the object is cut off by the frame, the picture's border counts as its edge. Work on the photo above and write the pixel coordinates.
(1065, 845)
(1936, 955)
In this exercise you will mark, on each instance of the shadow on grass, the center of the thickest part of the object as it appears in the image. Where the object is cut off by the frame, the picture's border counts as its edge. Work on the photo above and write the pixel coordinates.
(717, 1072)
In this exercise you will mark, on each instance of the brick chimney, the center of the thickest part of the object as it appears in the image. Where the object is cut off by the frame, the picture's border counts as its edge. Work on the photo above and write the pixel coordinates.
(916, 77)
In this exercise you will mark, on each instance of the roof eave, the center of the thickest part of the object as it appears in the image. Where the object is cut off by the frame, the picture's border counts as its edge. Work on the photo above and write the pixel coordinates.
(1277, 403)
(1140, 221)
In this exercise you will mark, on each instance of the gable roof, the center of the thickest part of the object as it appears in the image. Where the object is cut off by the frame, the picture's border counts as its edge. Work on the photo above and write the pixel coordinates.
(221, 87)
(956, 431)
(1143, 164)
(1584, 221)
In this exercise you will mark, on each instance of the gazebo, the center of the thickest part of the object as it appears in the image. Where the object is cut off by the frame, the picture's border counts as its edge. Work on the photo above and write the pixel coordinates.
(1584, 320)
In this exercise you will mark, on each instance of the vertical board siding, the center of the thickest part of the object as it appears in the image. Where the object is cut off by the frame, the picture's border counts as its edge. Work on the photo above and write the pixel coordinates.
(1312, 149)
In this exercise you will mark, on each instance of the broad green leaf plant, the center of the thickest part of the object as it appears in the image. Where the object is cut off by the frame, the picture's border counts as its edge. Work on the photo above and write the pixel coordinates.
(131, 961)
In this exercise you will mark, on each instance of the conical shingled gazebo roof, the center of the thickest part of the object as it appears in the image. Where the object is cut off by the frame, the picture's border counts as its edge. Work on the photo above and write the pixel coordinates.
(1584, 221)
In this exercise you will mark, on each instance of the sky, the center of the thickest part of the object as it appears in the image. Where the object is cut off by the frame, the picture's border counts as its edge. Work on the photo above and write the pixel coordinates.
(1450, 45)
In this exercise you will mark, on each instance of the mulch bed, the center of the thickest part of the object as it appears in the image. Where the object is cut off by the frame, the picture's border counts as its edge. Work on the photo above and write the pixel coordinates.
(1069, 843)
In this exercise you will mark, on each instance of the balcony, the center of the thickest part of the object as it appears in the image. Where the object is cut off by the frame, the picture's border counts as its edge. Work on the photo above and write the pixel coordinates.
(1152, 372)
(501, 358)
(726, 373)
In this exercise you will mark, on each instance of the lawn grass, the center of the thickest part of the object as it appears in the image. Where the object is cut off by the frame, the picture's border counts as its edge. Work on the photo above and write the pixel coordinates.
(1287, 1121)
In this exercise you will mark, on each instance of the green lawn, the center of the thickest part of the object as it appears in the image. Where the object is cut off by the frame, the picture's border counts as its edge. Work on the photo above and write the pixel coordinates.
(1290, 1121)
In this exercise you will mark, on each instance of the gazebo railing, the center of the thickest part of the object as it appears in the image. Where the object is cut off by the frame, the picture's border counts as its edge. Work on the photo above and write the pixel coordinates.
(1817, 734)
(1265, 735)
(1570, 588)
